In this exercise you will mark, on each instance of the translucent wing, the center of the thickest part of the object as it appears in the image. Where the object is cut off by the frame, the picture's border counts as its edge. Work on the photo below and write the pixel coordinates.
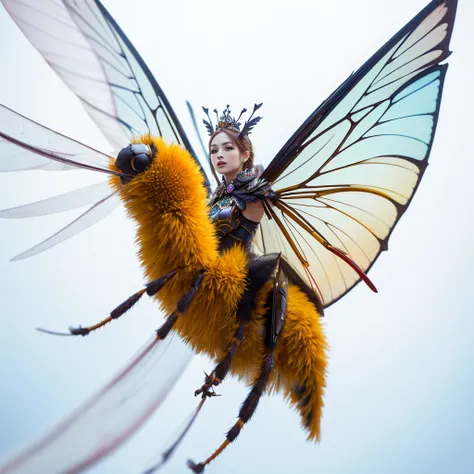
(63, 202)
(101, 66)
(26, 145)
(109, 418)
(93, 215)
(348, 174)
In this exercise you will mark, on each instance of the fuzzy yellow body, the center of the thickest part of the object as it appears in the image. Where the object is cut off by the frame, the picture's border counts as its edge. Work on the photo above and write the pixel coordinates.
(169, 204)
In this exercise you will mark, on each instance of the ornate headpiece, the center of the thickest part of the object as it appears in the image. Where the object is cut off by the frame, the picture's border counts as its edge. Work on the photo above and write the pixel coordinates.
(231, 123)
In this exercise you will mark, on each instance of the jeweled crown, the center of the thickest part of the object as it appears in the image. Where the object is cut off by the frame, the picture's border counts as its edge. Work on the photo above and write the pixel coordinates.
(226, 121)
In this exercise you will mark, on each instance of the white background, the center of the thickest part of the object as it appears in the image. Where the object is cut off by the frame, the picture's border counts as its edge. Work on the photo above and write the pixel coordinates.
(401, 373)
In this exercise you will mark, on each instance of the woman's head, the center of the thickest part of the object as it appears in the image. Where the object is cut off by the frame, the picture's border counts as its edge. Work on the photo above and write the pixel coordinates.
(230, 154)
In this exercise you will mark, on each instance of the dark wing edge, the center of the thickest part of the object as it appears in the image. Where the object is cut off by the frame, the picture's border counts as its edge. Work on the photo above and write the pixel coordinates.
(292, 146)
(101, 67)
(422, 166)
(159, 92)
(285, 224)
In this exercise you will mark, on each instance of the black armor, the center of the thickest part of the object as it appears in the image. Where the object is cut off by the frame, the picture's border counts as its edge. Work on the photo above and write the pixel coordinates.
(233, 227)
(226, 208)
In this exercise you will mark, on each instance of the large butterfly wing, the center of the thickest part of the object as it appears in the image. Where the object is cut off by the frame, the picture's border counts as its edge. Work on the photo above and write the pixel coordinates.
(101, 66)
(349, 173)
(109, 418)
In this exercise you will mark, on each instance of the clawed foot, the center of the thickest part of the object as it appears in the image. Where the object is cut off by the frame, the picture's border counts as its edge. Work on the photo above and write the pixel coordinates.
(73, 331)
(207, 389)
(195, 467)
(79, 331)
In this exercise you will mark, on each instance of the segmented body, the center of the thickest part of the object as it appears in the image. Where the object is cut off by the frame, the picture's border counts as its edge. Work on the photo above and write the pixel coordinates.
(174, 231)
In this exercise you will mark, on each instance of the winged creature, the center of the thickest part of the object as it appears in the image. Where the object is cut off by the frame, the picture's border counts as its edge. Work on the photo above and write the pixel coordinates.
(244, 274)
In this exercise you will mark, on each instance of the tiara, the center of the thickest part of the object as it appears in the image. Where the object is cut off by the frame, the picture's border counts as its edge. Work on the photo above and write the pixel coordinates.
(226, 121)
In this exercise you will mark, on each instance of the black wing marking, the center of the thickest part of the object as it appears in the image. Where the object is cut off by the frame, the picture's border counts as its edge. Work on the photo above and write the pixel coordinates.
(102, 67)
(349, 173)
(109, 418)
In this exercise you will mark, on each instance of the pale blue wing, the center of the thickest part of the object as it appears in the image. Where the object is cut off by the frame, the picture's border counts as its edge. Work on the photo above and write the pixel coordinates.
(349, 173)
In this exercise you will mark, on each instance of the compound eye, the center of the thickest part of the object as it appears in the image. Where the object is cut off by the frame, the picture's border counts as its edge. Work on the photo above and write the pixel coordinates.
(123, 159)
(140, 162)
(134, 159)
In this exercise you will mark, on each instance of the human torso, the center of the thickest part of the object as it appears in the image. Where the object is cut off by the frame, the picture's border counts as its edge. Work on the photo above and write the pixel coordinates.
(232, 226)
(227, 207)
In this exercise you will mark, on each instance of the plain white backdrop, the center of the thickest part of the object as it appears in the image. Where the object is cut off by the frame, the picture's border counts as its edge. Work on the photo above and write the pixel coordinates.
(401, 381)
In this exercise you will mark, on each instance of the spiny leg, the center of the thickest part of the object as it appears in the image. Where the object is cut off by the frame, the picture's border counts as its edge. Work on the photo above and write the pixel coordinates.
(181, 307)
(248, 409)
(222, 368)
(161, 334)
(275, 315)
(259, 272)
(150, 289)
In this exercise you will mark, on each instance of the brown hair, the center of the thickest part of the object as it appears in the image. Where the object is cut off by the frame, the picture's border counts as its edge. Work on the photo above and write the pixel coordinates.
(243, 144)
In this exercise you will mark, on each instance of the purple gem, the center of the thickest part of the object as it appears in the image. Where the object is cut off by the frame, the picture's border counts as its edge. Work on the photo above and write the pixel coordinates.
(230, 188)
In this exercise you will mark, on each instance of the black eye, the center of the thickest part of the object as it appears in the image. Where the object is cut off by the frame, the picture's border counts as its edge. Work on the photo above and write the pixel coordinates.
(140, 162)
(134, 159)
(123, 159)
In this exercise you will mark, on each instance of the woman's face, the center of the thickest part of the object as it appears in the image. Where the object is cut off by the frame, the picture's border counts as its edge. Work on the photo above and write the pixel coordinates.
(226, 158)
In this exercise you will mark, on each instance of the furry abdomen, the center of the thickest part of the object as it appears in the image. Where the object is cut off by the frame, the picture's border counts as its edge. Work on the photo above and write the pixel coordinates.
(168, 203)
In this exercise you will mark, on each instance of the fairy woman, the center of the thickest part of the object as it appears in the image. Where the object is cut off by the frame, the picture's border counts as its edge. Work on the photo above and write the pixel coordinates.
(338, 188)
(254, 298)
(236, 206)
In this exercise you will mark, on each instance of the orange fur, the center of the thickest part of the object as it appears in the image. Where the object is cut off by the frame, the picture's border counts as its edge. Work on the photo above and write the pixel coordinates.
(168, 203)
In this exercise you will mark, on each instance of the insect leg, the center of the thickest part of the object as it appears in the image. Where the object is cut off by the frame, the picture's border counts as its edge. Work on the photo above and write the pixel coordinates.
(248, 409)
(260, 270)
(275, 317)
(222, 368)
(150, 289)
(181, 307)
